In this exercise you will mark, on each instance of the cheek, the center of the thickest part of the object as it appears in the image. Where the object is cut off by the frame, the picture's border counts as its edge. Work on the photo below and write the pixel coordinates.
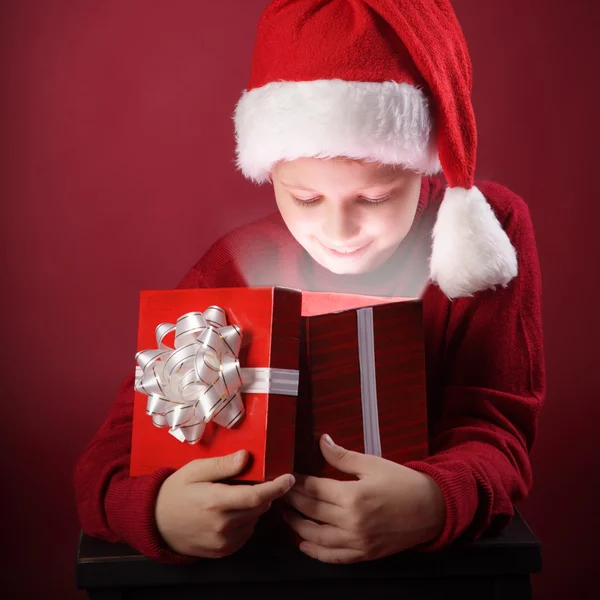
(305, 231)
(389, 226)
(399, 224)
(298, 222)
(401, 218)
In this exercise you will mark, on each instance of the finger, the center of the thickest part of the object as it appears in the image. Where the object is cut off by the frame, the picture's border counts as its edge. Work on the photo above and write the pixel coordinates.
(347, 461)
(327, 536)
(215, 469)
(315, 509)
(331, 555)
(323, 489)
(259, 510)
(249, 515)
(243, 497)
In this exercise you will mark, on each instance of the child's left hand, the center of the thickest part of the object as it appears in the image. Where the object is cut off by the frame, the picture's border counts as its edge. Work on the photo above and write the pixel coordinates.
(390, 508)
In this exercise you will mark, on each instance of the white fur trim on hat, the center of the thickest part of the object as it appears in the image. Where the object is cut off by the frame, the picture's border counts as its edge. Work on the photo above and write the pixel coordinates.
(471, 251)
(385, 122)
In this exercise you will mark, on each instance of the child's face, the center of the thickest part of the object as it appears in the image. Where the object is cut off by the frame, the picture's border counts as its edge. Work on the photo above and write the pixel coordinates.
(341, 204)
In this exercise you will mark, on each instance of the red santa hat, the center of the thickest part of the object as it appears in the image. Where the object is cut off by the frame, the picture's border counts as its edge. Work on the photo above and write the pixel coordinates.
(377, 80)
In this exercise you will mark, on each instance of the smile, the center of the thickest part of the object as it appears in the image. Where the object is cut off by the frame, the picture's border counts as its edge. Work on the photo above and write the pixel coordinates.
(347, 254)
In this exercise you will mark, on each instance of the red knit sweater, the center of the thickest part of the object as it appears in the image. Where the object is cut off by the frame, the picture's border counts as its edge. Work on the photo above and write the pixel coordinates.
(485, 375)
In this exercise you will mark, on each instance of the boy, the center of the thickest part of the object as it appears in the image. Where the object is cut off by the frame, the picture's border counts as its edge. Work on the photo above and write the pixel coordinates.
(352, 106)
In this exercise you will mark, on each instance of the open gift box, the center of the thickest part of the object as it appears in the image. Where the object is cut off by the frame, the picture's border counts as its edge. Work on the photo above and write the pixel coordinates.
(269, 370)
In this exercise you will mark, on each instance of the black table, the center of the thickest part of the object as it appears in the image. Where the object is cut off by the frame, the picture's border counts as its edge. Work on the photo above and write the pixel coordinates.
(494, 567)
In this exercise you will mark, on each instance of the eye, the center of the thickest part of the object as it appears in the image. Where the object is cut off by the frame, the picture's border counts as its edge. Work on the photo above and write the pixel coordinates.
(375, 200)
(310, 201)
(302, 202)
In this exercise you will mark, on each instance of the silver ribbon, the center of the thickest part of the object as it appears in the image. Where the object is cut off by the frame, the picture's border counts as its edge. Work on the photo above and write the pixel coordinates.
(368, 381)
(200, 379)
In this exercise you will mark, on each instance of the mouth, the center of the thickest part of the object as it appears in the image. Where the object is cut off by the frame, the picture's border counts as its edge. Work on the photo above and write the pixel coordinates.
(347, 254)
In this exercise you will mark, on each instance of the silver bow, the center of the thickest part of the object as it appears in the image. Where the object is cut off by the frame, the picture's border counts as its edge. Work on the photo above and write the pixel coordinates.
(200, 379)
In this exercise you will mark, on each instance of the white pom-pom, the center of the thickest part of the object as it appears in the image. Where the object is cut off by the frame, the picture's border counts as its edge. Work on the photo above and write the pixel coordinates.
(471, 251)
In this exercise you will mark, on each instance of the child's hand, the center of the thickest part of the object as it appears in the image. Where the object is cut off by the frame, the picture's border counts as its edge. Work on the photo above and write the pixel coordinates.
(197, 517)
(389, 509)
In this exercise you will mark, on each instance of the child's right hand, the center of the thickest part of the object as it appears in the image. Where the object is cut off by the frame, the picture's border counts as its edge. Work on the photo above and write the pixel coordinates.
(198, 517)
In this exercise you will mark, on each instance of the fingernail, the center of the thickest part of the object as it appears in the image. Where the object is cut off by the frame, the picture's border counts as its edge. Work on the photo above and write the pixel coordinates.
(289, 482)
(238, 457)
(327, 439)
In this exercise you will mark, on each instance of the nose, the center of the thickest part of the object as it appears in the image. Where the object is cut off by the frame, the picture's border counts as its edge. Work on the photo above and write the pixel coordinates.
(340, 226)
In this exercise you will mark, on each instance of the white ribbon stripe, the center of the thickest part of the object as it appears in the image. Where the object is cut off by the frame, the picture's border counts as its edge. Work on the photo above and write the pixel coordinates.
(368, 381)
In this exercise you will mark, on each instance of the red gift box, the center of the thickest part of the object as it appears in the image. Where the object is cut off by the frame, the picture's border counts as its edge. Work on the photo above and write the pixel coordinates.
(385, 399)
(269, 320)
(362, 379)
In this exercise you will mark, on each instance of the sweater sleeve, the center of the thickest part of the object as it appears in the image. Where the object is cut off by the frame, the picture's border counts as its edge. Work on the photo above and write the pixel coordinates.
(111, 505)
(492, 391)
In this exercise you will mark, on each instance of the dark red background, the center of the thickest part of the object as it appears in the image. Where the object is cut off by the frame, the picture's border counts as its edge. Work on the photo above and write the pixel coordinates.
(117, 173)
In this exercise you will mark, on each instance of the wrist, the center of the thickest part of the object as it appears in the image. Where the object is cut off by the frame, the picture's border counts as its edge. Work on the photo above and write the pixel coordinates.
(432, 508)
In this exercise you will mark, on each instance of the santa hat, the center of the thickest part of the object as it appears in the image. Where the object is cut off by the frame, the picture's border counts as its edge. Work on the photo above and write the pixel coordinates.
(377, 80)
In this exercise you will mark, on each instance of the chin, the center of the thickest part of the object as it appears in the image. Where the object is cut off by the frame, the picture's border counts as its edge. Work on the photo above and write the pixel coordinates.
(347, 270)
(343, 269)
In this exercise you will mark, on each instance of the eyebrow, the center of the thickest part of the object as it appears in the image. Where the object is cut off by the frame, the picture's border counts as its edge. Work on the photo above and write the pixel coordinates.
(296, 187)
(369, 186)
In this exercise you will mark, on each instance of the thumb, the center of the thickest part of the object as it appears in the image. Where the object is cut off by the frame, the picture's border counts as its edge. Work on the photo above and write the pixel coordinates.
(215, 469)
(347, 461)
